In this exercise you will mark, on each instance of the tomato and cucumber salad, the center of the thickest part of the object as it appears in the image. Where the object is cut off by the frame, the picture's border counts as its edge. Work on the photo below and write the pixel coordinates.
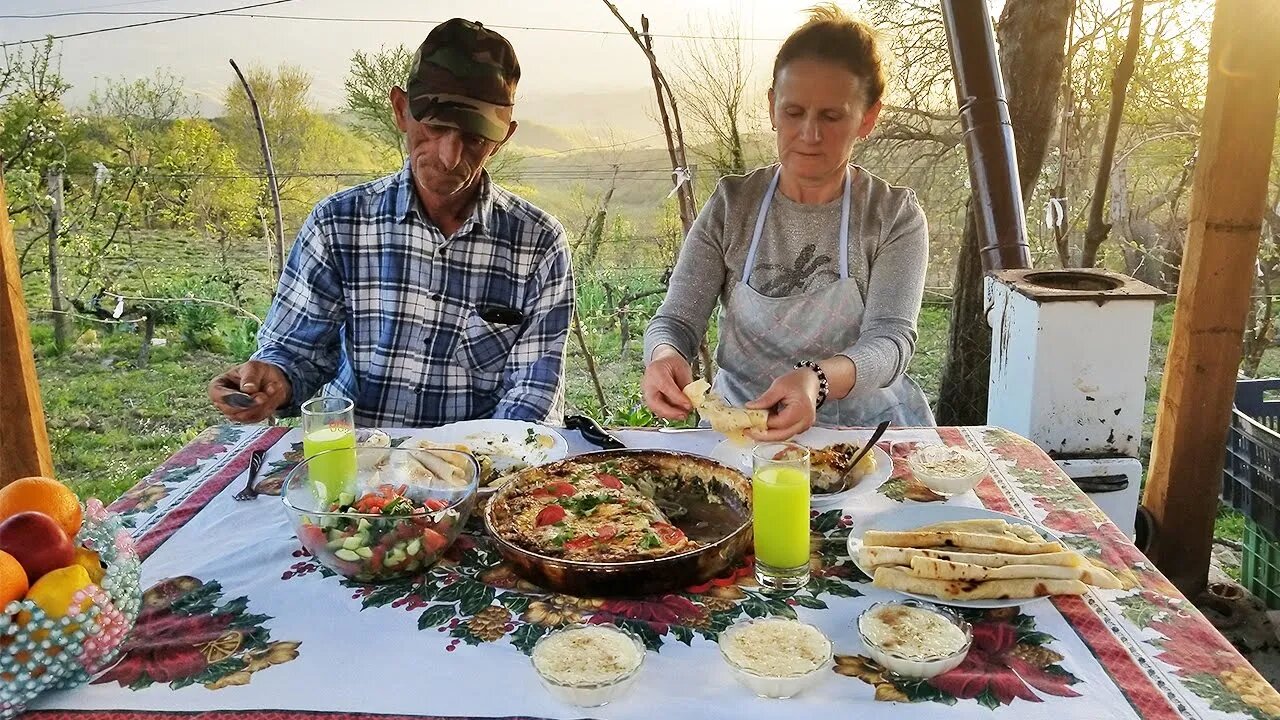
(387, 535)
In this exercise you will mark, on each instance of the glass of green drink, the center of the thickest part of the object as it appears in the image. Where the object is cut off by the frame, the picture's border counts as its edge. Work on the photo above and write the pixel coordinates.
(329, 436)
(780, 508)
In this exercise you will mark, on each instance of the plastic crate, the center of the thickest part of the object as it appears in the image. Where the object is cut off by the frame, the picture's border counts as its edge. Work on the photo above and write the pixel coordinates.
(1251, 469)
(1260, 565)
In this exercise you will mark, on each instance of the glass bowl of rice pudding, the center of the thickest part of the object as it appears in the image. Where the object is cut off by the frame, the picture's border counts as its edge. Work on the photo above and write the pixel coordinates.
(775, 657)
(947, 470)
(588, 665)
(913, 639)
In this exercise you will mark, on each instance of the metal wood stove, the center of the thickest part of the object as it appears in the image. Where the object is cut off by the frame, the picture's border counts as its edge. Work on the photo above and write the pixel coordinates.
(1069, 356)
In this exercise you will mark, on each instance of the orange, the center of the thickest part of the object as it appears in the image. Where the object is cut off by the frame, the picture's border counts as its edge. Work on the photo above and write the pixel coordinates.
(13, 579)
(44, 495)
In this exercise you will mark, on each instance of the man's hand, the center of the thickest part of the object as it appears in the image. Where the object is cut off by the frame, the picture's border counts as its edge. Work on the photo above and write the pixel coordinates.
(664, 380)
(791, 401)
(264, 384)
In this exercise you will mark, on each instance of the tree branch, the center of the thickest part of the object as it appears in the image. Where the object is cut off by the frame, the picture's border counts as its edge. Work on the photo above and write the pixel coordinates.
(1098, 229)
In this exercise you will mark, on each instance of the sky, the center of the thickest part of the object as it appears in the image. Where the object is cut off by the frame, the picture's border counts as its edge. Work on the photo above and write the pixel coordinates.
(554, 62)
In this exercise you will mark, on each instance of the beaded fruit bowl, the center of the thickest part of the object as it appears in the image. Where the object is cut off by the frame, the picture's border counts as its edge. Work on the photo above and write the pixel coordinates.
(40, 651)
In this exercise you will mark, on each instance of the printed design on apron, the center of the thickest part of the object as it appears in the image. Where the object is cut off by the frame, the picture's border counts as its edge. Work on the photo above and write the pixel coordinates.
(761, 337)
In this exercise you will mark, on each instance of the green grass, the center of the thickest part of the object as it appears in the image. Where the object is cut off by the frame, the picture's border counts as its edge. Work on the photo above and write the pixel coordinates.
(111, 422)
(1229, 525)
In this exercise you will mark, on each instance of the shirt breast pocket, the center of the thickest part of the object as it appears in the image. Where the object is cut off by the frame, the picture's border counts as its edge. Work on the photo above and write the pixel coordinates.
(484, 346)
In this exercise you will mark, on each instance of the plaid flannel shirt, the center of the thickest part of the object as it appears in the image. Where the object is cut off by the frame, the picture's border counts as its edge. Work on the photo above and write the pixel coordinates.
(379, 304)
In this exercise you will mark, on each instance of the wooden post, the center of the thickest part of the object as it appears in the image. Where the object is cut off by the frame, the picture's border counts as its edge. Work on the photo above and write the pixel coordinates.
(55, 276)
(1228, 199)
(24, 441)
(277, 262)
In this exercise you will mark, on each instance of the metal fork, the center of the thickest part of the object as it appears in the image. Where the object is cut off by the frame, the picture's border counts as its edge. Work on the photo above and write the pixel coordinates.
(255, 462)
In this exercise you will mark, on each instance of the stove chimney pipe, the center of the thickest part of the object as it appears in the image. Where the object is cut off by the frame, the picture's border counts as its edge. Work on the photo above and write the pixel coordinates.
(988, 136)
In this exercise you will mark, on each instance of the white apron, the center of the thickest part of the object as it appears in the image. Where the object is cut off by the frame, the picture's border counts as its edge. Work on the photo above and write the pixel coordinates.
(761, 338)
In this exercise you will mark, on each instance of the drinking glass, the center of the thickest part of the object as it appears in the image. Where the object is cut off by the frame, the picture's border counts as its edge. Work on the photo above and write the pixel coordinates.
(329, 443)
(780, 515)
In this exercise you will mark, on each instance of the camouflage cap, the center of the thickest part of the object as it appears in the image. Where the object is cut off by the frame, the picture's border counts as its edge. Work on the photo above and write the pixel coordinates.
(464, 75)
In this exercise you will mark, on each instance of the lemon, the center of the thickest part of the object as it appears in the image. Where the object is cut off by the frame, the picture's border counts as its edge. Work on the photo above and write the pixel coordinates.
(90, 561)
(53, 591)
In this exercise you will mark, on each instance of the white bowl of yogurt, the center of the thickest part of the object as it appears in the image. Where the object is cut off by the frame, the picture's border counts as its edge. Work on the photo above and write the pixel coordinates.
(947, 470)
(913, 639)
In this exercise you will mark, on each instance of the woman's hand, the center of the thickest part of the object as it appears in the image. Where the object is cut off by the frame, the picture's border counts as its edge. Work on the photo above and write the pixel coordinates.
(665, 377)
(792, 402)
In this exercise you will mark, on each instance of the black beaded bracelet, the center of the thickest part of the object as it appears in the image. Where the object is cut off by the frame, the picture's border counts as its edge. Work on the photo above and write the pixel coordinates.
(823, 385)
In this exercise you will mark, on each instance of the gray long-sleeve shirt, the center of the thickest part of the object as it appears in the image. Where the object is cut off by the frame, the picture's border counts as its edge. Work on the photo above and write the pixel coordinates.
(888, 256)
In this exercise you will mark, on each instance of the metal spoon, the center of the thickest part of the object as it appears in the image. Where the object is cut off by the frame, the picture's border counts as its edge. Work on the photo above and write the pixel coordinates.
(848, 473)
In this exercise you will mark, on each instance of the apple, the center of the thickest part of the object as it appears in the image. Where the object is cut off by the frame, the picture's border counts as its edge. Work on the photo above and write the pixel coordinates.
(37, 542)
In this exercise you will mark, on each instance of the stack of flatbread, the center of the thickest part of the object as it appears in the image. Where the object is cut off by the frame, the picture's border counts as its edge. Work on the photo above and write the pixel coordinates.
(732, 422)
(988, 559)
(448, 467)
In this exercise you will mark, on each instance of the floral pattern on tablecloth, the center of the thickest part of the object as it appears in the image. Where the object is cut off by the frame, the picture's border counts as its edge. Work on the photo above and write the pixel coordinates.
(186, 634)
(1010, 660)
(475, 597)
(1155, 646)
(182, 467)
(1208, 664)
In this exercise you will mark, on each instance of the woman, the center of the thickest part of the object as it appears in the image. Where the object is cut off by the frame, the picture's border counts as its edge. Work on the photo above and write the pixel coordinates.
(818, 265)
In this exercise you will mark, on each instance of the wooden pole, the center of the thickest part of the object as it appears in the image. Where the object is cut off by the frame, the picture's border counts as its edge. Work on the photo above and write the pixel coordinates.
(24, 441)
(277, 262)
(1228, 199)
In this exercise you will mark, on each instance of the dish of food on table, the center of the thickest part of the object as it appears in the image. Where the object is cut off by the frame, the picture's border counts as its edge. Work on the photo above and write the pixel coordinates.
(622, 521)
(984, 560)
(501, 447)
(829, 465)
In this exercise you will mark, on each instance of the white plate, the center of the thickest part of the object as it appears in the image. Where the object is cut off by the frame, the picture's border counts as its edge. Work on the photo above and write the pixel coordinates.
(739, 457)
(504, 441)
(911, 517)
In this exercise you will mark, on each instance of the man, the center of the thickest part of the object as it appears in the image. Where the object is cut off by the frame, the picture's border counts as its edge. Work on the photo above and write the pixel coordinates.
(432, 295)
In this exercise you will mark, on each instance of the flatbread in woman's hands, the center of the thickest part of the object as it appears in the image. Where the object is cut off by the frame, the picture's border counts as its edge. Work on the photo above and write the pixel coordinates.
(732, 422)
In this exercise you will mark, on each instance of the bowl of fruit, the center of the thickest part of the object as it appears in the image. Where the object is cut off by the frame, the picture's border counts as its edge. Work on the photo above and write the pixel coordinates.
(375, 514)
(69, 590)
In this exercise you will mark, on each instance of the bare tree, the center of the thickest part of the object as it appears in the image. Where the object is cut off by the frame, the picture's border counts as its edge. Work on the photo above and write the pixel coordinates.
(714, 84)
(368, 91)
(273, 187)
(1157, 127)
(147, 103)
(1098, 229)
(1260, 332)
